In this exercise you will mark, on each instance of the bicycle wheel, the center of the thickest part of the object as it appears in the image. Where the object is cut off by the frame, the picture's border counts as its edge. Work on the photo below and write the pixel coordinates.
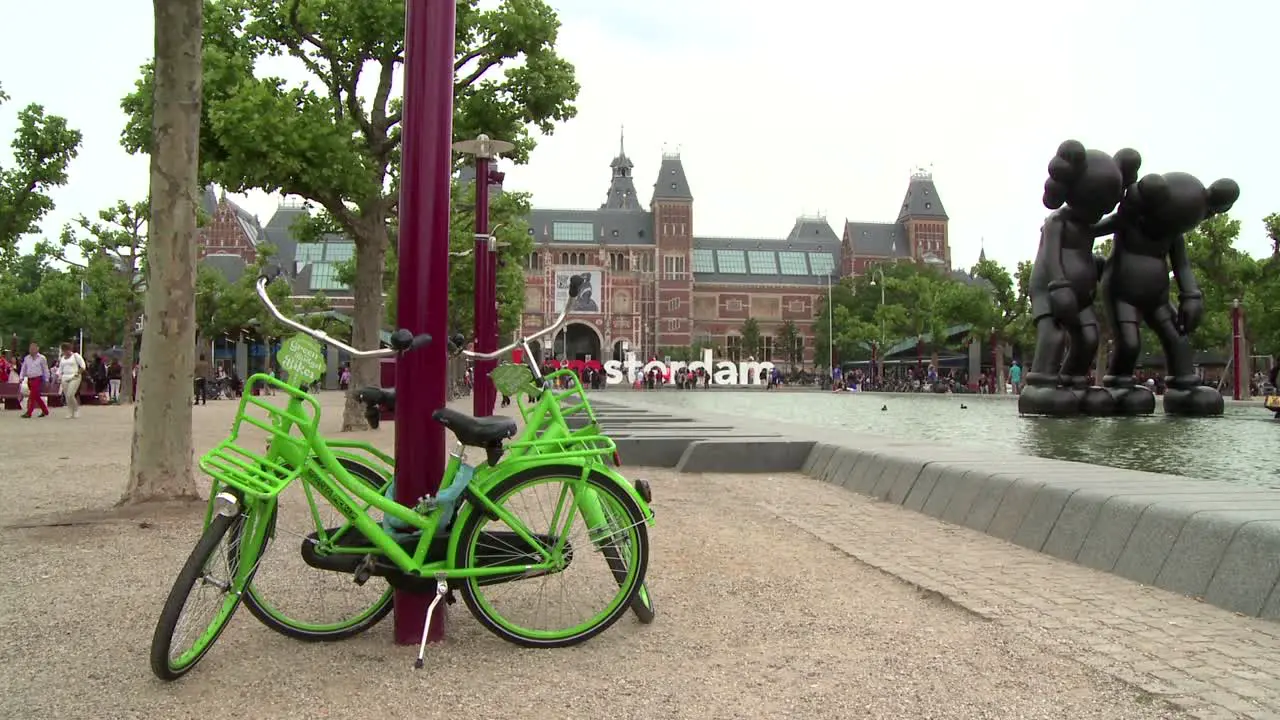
(642, 605)
(308, 603)
(623, 544)
(198, 580)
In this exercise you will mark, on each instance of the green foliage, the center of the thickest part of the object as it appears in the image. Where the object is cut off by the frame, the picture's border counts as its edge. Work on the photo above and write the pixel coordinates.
(43, 148)
(789, 341)
(38, 302)
(110, 252)
(235, 310)
(751, 339)
(899, 301)
(1224, 273)
(1272, 223)
(507, 213)
(327, 143)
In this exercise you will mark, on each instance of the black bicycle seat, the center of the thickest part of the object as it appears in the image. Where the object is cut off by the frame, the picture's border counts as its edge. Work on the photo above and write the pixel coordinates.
(376, 396)
(474, 431)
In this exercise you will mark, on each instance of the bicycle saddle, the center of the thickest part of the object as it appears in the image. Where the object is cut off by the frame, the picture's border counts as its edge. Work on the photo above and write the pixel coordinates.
(377, 396)
(474, 431)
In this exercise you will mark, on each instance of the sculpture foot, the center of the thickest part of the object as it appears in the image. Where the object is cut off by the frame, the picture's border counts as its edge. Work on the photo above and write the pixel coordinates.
(1133, 400)
(1051, 401)
(1097, 401)
(1199, 401)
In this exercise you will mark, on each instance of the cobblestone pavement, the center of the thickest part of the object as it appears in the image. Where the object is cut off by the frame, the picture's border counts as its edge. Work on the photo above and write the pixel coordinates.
(1207, 661)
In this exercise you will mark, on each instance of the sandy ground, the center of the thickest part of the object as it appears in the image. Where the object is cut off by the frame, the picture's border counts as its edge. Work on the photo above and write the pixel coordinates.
(755, 620)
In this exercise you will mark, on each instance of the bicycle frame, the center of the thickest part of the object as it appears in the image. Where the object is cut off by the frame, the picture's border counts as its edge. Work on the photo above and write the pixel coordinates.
(315, 461)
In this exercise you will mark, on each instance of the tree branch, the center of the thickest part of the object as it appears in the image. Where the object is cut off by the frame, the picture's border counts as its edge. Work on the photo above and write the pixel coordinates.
(382, 96)
(468, 57)
(479, 72)
(330, 79)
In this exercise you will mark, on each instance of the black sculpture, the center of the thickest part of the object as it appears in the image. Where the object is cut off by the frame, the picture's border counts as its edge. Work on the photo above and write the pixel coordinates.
(1083, 186)
(1148, 228)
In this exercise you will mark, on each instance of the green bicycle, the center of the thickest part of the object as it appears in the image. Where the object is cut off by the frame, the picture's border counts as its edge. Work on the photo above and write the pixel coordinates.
(441, 539)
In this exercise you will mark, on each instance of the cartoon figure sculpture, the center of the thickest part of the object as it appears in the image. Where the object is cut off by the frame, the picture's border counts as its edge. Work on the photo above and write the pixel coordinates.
(1149, 226)
(1083, 186)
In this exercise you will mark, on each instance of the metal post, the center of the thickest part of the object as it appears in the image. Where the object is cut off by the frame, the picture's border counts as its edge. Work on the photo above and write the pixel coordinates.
(423, 297)
(485, 320)
(831, 351)
(997, 384)
(80, 349)
(1240, 383)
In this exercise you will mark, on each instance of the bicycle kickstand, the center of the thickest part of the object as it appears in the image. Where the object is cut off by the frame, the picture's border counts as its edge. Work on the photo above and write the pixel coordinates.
(442, 589)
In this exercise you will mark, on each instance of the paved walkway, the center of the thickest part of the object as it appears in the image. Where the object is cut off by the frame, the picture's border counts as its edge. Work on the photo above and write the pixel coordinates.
(777, 597)
(1211, 662)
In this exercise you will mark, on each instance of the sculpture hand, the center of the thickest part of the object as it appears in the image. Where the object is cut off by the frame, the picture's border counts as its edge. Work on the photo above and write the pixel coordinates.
(1190, 313)
(1062, 303)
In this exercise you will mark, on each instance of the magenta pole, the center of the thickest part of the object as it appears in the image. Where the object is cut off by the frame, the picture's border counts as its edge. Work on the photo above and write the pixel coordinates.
(1240, 383)
(486, 296)
(423, 299)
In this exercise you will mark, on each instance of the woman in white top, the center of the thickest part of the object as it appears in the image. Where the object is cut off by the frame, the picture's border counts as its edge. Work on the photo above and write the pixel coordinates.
(71, 369)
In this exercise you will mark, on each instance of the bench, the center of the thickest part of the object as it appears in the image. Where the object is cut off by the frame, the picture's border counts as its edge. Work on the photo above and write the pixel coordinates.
(11, 395)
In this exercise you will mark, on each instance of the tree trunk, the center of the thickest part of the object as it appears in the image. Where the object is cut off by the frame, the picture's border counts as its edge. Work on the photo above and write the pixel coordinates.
(366, 321)
(161, 461)
(127, 343)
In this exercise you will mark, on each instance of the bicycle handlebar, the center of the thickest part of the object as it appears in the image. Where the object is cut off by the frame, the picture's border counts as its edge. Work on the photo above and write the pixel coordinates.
(575, 287)
(402, 340)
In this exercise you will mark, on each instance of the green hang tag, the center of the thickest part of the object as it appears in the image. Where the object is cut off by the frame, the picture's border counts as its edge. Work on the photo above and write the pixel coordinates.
(510, 379)
(300, 356)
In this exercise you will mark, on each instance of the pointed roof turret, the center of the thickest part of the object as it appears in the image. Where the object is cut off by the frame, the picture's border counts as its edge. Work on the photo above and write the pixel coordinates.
(982, 250)
(922, 201)
(622, 187)
(671, 183)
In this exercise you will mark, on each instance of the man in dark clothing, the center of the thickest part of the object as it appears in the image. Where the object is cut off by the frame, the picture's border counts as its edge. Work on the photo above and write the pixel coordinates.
(202, 381)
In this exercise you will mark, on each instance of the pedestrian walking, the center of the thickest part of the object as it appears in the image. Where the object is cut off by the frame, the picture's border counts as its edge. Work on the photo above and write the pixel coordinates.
(35, 373)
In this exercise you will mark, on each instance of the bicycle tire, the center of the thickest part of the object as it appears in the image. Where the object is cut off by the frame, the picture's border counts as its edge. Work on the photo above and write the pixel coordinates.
(642, 605)
(324, 632)
(601, 484)
(183, 585)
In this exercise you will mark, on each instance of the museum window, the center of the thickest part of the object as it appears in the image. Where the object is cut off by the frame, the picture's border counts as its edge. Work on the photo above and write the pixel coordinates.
(733, 348)
(673, 267)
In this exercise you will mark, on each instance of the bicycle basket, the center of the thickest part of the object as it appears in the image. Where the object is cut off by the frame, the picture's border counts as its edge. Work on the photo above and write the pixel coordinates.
(510, 378)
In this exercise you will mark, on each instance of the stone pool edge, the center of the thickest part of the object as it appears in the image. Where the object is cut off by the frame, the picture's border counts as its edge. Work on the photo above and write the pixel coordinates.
(1208, 539)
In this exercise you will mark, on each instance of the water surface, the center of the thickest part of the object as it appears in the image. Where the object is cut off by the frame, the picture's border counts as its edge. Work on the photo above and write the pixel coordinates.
(1238, 447)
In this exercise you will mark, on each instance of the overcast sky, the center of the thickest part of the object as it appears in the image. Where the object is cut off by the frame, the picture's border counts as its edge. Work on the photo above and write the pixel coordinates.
(821, 106)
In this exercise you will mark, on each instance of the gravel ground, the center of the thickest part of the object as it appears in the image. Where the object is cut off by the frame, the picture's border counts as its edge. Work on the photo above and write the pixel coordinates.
(754, 620)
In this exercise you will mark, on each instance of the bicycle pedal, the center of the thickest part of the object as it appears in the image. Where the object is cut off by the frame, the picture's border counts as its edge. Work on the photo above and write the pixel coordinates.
(363, 571)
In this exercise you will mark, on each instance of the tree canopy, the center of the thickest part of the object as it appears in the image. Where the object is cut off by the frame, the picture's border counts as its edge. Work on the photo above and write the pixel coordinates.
(43, 148)
(338, 147)
(920, 302)
(892, 302)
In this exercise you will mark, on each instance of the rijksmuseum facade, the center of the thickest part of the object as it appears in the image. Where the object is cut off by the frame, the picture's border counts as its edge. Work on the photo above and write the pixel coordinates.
(653, 283)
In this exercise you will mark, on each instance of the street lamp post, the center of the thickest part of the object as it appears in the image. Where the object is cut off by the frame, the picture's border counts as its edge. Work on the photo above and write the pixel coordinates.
(1240, 380)
(486, 278)
(831, 312)
(422, 302)
(880, 273)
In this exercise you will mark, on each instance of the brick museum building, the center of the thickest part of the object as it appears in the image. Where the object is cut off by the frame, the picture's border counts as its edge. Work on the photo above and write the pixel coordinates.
(653, 282)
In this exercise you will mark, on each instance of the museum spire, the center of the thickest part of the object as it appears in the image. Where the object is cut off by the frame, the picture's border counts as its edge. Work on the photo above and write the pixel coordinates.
(622, 187)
